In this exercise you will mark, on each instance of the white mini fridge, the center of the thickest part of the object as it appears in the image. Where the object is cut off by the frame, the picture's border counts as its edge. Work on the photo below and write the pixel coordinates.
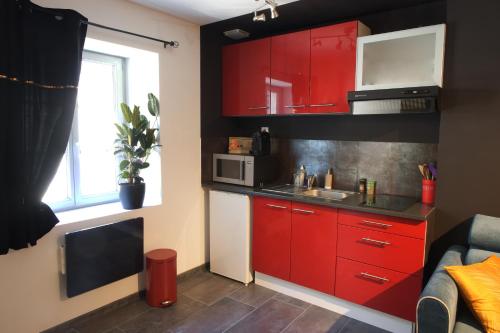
(230, 235)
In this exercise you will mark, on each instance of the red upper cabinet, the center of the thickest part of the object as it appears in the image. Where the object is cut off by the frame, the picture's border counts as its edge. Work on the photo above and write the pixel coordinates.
(271, 237)
(314, 244)
(246, 69)
(290, 67)
(333, 66)
(308, 71)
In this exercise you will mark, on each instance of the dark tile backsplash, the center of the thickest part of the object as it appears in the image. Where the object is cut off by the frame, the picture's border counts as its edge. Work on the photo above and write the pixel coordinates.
(392, 165)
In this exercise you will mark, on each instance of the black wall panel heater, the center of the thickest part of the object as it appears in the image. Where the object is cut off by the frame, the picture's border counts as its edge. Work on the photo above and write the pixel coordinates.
(97, 256)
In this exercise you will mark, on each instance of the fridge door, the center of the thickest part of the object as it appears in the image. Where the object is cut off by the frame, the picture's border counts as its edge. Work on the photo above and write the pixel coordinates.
(230, 232)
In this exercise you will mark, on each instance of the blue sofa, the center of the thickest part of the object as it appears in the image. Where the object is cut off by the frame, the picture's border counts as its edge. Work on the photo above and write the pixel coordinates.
(440, 308)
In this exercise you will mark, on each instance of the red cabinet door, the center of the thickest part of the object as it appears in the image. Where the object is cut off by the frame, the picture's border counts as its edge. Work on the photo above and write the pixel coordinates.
(271, 237)
(378, 288)
(290, 67)
(333, 67)
(246, 70)
(314, 238)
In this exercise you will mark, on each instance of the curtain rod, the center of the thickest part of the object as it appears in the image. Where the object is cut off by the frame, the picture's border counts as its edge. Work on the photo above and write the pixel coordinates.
(174, 44)
(50, 11)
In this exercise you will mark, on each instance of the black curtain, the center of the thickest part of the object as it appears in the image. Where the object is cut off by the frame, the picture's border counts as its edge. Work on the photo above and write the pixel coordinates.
(40, 60)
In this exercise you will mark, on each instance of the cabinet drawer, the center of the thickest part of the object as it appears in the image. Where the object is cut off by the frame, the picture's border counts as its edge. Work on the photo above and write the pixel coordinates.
(395, 225)
(378, 288)
(399, 253)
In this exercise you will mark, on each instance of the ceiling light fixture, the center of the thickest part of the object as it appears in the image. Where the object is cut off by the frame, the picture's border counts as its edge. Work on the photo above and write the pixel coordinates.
(272, 4)
(259, 17)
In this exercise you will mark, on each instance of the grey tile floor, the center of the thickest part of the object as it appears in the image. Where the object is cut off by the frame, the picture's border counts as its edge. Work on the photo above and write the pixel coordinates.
(210, 303)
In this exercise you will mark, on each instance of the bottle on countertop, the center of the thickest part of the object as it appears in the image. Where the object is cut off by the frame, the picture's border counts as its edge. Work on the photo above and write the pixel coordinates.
(362, 185)
(300, 177)
(371, 187)
(329, 179)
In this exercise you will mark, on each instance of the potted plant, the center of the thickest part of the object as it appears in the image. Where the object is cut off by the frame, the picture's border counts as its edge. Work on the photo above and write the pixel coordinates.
(136, 139)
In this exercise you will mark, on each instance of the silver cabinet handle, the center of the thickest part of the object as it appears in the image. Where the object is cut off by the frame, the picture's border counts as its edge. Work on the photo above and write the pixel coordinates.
(376, 224)
(374, 241)
(276, 206)
(257, 107)
(303, 211)
(370, 276)
(319, 105)
(295, 106)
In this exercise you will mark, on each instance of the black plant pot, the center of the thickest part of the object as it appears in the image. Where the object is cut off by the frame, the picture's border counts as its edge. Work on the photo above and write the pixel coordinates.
(132, 195)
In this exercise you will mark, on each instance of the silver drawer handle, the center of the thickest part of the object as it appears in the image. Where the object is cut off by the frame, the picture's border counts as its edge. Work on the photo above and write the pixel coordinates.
(369, 240)
(303, 211)
(319, 105)
(276, 206)
(370, 276)
(377, 224)
(295, 106)
(257, 108)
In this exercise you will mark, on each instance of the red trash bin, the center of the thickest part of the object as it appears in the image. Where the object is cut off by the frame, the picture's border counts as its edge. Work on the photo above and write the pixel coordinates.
(161, 277)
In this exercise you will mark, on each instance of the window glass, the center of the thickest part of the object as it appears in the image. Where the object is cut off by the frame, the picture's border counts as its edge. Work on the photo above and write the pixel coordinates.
(88, 172)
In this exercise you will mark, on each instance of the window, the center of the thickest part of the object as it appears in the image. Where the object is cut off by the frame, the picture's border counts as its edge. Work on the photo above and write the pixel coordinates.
(88, 171)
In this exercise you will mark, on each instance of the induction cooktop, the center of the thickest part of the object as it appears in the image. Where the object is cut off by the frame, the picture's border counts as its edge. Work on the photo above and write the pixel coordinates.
(389, 202)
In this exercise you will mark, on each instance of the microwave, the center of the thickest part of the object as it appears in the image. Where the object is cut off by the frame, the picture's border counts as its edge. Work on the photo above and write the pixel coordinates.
(246, 170)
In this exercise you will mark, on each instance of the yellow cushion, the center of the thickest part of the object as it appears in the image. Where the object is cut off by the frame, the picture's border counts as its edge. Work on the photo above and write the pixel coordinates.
(480, 287)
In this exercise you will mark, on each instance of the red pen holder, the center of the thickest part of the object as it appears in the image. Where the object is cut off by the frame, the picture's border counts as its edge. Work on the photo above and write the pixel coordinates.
(428, 191)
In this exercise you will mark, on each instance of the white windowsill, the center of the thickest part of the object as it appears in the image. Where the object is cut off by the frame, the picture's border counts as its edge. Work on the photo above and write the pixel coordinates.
(94, 212)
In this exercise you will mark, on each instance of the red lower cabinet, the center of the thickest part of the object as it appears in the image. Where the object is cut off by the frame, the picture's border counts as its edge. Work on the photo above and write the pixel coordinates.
(312, 246)
(271, 237)
(314, 243)
(378, 288)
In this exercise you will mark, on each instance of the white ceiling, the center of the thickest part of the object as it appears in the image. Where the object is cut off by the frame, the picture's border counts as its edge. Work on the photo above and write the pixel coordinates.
(206, 11)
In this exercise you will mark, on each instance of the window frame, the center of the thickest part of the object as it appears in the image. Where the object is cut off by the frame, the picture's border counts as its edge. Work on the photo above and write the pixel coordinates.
(76, 199)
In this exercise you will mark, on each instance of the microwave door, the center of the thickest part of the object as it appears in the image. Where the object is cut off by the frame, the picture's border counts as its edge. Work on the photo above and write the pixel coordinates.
(248, 175)
(229, 169)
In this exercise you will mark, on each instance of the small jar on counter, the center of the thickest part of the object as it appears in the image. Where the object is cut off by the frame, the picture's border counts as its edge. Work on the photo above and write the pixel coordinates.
(362, 185)
(371, 187)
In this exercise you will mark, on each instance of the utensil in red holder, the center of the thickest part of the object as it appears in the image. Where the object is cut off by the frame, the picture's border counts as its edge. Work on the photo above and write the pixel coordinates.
(428, 191)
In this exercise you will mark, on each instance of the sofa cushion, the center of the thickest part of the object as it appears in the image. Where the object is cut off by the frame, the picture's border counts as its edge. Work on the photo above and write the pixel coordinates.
(480, 287)
(475, 255)
(485, 233)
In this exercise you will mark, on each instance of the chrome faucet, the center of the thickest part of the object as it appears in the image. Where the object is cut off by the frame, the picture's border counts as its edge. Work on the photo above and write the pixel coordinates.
(310, 181)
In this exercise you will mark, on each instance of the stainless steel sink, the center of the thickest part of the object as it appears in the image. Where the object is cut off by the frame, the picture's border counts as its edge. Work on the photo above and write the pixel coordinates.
(327, 194)
(315, 192)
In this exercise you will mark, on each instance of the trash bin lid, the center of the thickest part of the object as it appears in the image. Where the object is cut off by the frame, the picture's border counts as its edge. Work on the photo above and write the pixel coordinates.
(162, 255)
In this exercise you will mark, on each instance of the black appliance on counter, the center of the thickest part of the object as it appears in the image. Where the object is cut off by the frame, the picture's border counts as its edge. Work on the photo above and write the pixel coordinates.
(261, 143)
(394, 101)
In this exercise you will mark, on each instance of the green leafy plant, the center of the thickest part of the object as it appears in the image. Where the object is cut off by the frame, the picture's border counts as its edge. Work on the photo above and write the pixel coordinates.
(136, 139)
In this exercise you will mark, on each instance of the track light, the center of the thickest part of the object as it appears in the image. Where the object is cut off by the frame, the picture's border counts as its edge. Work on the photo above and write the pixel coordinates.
(274, 12)
(272, 4)
(259, 17)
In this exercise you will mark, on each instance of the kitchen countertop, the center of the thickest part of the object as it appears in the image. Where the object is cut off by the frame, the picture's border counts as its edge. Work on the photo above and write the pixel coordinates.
(417, 211)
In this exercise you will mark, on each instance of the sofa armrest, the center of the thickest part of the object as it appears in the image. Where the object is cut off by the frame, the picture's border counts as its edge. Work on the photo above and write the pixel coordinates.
(437, 306)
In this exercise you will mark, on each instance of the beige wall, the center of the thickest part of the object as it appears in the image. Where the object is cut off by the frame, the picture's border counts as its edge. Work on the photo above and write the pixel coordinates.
(31, 298)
